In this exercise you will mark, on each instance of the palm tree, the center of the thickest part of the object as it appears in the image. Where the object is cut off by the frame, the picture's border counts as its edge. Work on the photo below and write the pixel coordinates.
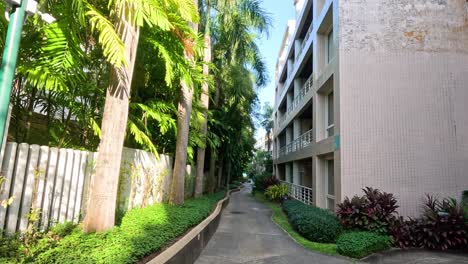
(129, 16)
(183, 125)
(205, 100)
(267, 122)
(234, 36)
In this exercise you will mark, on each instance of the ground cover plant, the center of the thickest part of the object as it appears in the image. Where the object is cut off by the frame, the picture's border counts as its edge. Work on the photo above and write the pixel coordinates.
(361, 243)
(142, 232)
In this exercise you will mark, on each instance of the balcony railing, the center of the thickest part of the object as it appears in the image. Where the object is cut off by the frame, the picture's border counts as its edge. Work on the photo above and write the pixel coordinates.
(298, 99)
(299, 143)
(299, 192)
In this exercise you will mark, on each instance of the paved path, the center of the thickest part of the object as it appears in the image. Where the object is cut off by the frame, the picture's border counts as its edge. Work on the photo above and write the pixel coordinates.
(247, 235)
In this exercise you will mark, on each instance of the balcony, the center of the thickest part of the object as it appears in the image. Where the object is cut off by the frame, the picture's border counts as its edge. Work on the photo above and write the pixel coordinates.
(299, 192)
(299, 143)
(304, 41)
(298, 99)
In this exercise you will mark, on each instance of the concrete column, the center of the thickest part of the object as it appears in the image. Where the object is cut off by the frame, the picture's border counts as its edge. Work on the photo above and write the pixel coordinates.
(290, 67)
(318, 181)
(288, 175)
(297, 128)
(289, 135)
(289, 99)
(278, 146)
(297, 47)
(296, 175)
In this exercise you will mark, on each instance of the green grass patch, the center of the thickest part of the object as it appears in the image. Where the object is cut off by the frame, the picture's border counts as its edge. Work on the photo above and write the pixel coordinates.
(280, 218)
(142, 232)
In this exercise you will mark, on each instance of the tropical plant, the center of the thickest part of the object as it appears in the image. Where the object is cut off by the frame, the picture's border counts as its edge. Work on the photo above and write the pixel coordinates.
(183, 124)
(128, 16)
(239, 68)
(374, 211)
(442, 226)
(276, 192)
(267, 123)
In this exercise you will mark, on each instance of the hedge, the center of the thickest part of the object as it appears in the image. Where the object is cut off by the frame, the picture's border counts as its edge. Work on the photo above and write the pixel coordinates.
(360, 244)
(313, 223)
(141, 233)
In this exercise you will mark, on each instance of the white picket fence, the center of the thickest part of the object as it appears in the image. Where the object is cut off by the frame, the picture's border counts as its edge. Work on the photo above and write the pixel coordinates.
(54, 183)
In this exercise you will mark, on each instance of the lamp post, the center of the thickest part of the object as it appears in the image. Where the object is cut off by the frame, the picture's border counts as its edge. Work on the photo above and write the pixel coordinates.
(20, 9)
(10, 56)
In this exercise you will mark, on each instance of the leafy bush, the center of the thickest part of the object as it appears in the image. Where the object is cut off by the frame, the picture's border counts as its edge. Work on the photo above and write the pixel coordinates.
(374, 211)
(263, 181)
(9, 248)
(313, 223)
(142, 232)
(362, 243)
(276, 192)
(442, 226)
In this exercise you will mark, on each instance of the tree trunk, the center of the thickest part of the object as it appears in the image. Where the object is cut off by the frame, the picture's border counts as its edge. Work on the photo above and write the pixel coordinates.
(204, 98)
(220, 170)
(228, 179)
(100, 214)
(211, 175)
(180, 163)
(183, 126)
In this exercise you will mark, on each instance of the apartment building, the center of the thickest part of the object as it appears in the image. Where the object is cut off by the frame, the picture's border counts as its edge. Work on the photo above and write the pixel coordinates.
(373, 93)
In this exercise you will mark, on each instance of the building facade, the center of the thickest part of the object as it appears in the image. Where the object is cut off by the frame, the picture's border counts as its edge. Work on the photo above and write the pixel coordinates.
(373, 93)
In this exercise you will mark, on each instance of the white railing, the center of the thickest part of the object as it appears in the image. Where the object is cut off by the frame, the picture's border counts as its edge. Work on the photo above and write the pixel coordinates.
(298, 99)
(299, 192)
(299, 143)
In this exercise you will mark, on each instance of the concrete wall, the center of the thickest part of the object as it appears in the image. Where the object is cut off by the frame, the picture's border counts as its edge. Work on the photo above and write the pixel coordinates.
(403, 98)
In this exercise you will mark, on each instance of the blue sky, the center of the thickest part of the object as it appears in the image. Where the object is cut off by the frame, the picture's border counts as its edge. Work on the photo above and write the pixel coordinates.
(281, 11)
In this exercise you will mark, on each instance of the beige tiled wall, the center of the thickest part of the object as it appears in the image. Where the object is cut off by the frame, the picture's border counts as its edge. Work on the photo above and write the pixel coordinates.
(404, 99)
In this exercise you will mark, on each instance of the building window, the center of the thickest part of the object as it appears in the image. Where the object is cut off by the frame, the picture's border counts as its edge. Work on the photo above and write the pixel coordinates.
(330, 46)
(330, 184)
(330, 123)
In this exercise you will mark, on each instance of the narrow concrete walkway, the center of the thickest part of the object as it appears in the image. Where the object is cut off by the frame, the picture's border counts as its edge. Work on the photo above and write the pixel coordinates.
(246, 234)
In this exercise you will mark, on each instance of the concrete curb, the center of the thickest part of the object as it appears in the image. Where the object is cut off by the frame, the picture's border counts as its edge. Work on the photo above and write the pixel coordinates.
(189, 247)
(395, 252)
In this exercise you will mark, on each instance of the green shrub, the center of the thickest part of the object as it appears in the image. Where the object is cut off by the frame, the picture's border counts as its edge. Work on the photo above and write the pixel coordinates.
(142, 232)
(373, 212)
(442, 226)
(64, 229)
(362, 243)
(313, 223)
(264, 180)
(276, 192)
